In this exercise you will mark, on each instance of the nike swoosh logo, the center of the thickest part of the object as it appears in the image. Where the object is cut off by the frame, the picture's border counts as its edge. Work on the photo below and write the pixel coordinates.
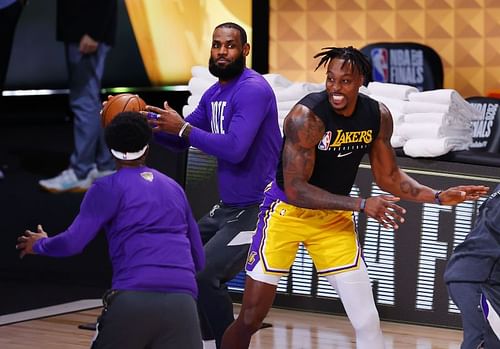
(340, 155)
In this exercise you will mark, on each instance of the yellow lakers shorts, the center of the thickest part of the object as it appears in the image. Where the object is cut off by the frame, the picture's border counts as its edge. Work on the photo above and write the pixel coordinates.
(328, 235)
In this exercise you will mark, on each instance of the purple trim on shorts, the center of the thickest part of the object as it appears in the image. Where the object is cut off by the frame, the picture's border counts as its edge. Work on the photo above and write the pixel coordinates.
(272, 196)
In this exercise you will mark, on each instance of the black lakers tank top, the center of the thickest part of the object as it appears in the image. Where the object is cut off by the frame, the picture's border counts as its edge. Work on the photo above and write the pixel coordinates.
(345, 141)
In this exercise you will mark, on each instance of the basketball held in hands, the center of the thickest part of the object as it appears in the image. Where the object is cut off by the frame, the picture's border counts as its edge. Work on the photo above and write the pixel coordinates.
(119, 103)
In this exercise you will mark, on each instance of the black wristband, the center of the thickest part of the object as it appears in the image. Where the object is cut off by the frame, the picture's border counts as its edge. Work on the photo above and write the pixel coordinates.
(362, 205)
(437, 200)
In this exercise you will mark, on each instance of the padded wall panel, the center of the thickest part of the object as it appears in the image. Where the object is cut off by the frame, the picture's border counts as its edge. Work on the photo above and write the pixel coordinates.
(465, 33)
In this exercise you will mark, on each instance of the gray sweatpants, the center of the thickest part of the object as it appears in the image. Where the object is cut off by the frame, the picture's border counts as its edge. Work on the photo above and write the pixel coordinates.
(148, 320)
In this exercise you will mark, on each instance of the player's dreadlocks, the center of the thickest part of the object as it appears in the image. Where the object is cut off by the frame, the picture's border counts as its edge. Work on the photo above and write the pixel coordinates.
(350, 55)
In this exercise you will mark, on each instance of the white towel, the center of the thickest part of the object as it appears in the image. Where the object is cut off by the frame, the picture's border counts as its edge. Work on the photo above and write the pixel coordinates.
(397, 118)
(431, 130)
(466, 110)
(424, 107)
(197, 86)
(314, 86)
(277, 80)
(437, 118)
(364, 90)
(194, 99)
(286, 105)
(445, 96)
(296, 91)
(397, 141)
(422, 147)
(188, 109)
(391, 90)
(440, 96)
(394, 105)
(201, 72)
(281, 119)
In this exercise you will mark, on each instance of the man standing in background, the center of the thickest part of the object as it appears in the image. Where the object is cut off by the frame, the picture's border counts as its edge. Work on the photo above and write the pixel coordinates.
(10, 11)
(87, 28)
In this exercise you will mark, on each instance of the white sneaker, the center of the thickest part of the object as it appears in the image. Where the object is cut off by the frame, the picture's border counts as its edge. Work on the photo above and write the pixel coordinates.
(66, 181)
(209, 344)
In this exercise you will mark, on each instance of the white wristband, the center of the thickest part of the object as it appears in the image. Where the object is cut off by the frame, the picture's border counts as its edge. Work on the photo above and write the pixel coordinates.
(183, 128)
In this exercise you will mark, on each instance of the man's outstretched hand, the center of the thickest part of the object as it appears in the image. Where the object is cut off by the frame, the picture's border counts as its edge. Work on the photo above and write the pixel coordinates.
(458, 194)
(383, 208)
(26, 241)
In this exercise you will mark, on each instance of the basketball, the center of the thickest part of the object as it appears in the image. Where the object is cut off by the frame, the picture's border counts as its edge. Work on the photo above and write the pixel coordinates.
(119, 103)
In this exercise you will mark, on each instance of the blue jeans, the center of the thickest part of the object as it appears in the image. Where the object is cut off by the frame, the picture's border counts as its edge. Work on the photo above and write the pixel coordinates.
(9, 17)
(85, 74)
(223, 263)
(466, 296)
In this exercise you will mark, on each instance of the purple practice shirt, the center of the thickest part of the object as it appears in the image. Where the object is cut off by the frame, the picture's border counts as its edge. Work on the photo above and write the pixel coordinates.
(153, 240)
(237, 122)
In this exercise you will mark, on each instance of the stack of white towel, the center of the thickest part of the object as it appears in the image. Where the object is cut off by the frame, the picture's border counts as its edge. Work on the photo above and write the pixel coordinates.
(200, 81)
(287, 93)
(426, 124)
(429, 123)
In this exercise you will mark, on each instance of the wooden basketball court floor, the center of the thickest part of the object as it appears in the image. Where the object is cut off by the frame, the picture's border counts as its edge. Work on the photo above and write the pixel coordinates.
(290, 330)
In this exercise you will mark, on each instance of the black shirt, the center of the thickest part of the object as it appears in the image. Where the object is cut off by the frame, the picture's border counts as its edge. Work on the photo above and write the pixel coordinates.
(345, 142)
(97, 18)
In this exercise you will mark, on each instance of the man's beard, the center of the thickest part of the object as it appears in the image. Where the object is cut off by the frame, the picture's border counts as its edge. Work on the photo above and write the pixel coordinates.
(229, 71)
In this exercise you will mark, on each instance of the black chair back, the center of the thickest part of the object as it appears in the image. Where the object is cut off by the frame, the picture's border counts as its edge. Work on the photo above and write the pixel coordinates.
(486, 136)
(405, 63)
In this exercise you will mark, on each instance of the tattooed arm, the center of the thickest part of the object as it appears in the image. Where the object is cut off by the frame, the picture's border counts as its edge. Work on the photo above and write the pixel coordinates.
(387, 174)
(304, 130)
(391, 178)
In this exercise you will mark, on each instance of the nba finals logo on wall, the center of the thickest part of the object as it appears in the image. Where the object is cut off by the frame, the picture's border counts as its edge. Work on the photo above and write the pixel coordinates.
(380, 63)
(483, 128)
(398, 66)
